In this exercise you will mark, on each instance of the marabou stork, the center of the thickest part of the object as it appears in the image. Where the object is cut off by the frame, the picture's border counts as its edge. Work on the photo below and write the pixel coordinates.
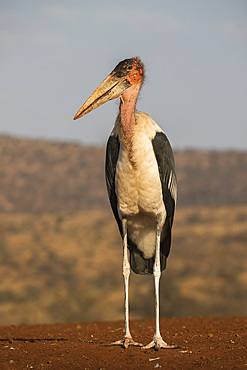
(141, 183)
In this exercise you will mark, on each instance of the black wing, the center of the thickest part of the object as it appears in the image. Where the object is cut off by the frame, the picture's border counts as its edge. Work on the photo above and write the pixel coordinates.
(165, 160)
(112, 152)
(166, 165)
(138, 264)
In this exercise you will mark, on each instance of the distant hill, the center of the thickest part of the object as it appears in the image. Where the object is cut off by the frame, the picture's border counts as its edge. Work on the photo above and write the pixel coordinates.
(42, 176)
(60, 249)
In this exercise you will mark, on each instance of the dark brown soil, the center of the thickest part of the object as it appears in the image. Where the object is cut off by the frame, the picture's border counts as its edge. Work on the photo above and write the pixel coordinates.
(214, 343)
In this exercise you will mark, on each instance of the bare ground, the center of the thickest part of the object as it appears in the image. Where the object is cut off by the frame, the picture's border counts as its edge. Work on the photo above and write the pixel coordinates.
(205, 342)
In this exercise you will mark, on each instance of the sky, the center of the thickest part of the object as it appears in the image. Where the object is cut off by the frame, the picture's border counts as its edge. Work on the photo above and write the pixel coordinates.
(55, 53)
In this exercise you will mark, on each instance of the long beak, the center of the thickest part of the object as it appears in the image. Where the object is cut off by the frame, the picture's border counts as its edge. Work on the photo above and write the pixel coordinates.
(111, 88)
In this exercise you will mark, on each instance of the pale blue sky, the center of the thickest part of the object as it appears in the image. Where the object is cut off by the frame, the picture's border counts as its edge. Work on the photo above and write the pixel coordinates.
(55, 53)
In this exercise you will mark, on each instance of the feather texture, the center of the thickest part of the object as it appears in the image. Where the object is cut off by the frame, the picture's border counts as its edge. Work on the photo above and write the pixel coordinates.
(141, 189)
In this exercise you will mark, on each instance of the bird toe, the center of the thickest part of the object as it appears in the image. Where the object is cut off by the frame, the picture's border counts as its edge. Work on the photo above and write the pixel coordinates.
(125, 343)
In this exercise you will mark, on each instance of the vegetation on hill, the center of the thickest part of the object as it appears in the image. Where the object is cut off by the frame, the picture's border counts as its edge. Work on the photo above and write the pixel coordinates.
(60, 249)
(41, 176)
(67, 267)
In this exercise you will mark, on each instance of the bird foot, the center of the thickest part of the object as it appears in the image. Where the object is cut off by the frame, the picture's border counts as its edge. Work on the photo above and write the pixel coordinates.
(125, 342)
(158, 343)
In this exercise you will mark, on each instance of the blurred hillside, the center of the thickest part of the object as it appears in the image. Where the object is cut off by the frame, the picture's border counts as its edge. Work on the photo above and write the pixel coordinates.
(67, 267)
(60, 250)
(40, 176)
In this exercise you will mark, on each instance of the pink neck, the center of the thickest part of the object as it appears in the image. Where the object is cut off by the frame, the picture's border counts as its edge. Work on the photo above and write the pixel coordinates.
(127, 113)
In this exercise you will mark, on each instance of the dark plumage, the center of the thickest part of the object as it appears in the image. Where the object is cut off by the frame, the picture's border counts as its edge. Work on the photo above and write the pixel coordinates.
(164, 156)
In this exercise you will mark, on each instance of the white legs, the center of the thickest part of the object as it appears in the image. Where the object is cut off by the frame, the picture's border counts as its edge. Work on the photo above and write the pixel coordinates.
(126, 274)
(157, 341)
(127, 339)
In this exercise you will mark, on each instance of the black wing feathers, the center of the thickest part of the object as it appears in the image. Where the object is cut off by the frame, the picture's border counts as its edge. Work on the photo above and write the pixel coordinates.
(112, 152)
(165, 160)
(166, 165)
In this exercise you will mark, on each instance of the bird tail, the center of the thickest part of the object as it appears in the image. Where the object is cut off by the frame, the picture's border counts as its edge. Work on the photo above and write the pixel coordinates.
(143, 266)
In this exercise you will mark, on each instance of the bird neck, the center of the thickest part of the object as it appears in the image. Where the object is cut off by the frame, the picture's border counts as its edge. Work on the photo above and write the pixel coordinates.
(127, 114)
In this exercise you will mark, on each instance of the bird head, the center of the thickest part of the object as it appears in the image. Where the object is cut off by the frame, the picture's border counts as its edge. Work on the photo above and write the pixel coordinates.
(126, 74)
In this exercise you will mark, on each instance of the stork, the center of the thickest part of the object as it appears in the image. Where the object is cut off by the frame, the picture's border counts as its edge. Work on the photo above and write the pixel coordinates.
(141, 183)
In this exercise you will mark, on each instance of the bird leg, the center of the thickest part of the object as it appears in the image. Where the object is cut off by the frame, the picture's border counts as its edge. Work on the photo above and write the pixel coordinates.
(157, 341)
(127, 339)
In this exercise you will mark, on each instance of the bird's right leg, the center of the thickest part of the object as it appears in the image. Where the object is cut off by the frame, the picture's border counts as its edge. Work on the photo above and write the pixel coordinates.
(157, 341)
(127, 339)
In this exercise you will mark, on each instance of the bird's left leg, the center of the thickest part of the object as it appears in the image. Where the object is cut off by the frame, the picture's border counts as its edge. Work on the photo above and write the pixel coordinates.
(127, 339)
(157, 341)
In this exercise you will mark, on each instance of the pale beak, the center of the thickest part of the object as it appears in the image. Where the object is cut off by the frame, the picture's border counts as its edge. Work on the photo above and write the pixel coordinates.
(111, 88)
